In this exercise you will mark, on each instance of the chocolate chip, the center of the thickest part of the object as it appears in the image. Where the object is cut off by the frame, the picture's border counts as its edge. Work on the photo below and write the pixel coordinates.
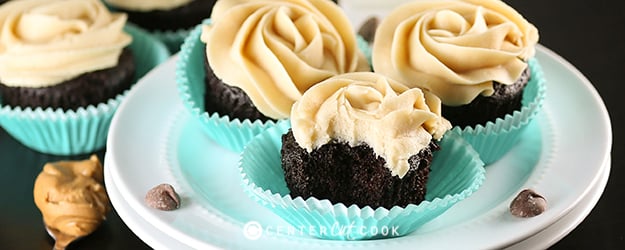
(163, 197)
(367, 30)
(528, 204)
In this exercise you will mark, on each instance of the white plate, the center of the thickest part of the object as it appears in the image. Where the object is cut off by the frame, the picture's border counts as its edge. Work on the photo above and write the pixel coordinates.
(542, 240)
(152, 140)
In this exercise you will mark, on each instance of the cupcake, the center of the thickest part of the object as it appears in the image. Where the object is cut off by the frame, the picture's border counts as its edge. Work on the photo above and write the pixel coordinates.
(169, 20)
(243, 69)
(362, 150)
(477, 56)
(362, 139)
(59, 88)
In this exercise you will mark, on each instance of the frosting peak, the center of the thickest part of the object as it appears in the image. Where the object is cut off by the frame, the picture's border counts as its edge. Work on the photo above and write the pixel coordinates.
(455, 48)
(43, 43)
(364, 107)
(276, 50)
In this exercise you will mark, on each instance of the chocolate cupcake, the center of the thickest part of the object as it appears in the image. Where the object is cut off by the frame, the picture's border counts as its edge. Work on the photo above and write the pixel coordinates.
(59, 88)
(251, 75)
(86, 89)
(353, 175)
(88, 71)
(362, 150)
(362, 139)
(475, 55)
(169, 20)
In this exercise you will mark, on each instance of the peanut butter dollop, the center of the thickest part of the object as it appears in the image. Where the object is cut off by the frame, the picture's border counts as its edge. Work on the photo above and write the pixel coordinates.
(71, 198)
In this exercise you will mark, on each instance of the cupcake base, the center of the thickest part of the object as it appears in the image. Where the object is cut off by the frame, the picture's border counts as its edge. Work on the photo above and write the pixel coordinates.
(456, 173)
(505, 100)
(353, 175)
(183, 17)
(228, 100)
(87, 89)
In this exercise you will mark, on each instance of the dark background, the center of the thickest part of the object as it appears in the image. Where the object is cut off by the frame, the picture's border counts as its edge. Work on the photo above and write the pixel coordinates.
(589, 34)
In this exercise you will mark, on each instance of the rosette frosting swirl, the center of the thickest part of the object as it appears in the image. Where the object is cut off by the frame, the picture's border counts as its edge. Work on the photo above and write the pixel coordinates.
(276, 50)
(364, 107)
(43, 43)
(148, 5)
(455, 48)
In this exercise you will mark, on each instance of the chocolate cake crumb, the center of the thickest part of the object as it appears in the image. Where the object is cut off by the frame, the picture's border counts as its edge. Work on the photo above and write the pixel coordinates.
(87, 89)
(505, 100)
(527, 204)
(163, 197)
(353, 175)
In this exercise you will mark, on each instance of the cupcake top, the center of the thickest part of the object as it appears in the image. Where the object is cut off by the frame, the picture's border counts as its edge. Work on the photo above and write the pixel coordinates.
(364, 107)
(43, 43)
(276, 50)
(71, 196)
(455, 48)
(149, 5)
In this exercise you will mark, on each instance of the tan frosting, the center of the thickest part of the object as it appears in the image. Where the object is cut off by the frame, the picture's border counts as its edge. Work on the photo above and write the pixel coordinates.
(366, 107)
(148, 5)
(45, 42)
(276, 50)
(71, 196)
(455, 48)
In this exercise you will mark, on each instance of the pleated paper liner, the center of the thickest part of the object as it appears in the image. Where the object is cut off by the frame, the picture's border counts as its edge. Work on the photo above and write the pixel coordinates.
(495, 139)
(84, 130)
(456, 173)
(232, 134)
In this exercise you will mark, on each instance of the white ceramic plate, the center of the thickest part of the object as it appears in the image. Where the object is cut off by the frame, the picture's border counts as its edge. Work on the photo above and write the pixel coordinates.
(542, 240)
(153, 140)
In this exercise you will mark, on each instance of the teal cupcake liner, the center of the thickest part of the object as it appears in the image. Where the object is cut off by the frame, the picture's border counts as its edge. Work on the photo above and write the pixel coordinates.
(456, 173)
(365, 47)
(70, 132)
(232, 134)
(495, 139)
(173, 39)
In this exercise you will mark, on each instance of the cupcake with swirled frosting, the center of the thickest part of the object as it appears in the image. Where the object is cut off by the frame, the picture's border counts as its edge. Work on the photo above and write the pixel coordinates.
(362, 150)
(69, 57)
(169, 20)
(362, 139)
(477, 56)
(254, 59)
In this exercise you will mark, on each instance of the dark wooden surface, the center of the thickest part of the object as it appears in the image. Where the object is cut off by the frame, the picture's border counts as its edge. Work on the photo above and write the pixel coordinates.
(589, 34)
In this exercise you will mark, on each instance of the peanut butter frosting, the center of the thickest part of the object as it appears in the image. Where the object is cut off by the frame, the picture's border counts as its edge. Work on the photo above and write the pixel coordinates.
(71, 196)
(43, 43)
(364, 107)
(455, 48)
(148, 5)
(276, 50)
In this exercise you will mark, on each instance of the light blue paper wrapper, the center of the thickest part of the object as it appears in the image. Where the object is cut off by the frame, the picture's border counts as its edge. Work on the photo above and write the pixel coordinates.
(173, 39)
(84, 130)
(232, 134)
(496, 139)
(456, 173)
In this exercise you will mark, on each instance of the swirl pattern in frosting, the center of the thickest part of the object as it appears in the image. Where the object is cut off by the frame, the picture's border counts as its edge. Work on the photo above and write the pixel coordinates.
(455, 48)
(148, 5)
(276, 50)
(71, 196)
(364, 107)
(43, 43)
